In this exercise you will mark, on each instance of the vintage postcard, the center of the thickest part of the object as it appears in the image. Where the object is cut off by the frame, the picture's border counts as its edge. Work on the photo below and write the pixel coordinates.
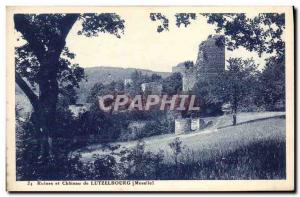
(150, 99)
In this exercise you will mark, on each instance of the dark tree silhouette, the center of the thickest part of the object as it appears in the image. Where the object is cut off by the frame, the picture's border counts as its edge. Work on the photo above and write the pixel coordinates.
(271, 91)
(46, 39)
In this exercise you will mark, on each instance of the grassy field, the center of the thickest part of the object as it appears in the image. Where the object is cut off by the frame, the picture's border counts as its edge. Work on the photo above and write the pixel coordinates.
(218, 140)
(252, 149)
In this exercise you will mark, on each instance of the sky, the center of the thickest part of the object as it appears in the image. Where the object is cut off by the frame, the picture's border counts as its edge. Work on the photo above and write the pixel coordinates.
(141, 46)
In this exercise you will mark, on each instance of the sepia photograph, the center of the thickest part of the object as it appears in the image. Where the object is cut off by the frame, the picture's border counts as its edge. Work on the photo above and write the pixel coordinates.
(143, 98)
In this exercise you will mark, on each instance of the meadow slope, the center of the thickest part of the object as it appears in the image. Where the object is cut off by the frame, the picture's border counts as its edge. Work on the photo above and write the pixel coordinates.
(220, 139)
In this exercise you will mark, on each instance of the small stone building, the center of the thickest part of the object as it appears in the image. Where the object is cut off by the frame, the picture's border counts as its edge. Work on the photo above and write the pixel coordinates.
(179, 68)
(135, 128)
(189, 79)
(153, 88)
(79, 108)
(195, 124)
(187, 125)
(128, 82)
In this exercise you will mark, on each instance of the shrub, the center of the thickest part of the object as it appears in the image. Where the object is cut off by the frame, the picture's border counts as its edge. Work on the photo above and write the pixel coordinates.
(141, 164)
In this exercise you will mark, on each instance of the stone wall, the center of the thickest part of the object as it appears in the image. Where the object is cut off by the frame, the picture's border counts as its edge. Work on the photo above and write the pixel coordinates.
(210, 62)
(182, 126)
(189, 79)
(152, 88)
(195, 124)
(211, 55)
(187, 125)
(179, 68)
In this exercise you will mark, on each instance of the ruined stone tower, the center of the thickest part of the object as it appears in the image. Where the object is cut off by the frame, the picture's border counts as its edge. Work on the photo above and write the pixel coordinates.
(210, 62)
(211, 56)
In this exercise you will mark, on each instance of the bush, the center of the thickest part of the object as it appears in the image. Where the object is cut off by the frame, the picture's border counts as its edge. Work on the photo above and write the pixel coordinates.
(131, 164)
(141, 164)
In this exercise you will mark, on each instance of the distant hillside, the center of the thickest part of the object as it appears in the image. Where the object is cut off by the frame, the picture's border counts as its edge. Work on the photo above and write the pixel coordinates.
(106, 75)
(94, 75)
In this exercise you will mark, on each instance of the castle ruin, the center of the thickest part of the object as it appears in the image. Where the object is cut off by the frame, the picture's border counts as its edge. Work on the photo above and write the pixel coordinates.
(210, 62)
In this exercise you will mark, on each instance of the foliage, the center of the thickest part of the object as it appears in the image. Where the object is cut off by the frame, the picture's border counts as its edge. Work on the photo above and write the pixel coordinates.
(236, 88)
(100, 127)
(104, 167)
(132, 164)
(163, 20)
(27, 152)
(156, 127)
(92, 24)
(272, 85)
(138, 78)
(184, 19)
(261, 33)
(176, 147)
(142, 164)
(99, 89)
(45, 62)
(231, 86)
(30, 164)
(28, 66)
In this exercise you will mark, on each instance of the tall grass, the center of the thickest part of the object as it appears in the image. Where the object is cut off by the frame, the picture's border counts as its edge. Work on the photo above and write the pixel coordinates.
(259, 160)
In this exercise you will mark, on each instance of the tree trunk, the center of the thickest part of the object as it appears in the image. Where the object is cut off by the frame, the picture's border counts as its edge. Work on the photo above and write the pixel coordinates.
(48, 55)
(47, 104)
(234, 119)
(235, 106)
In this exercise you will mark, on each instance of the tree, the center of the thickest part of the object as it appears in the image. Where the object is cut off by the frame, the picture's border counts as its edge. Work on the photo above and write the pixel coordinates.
(238, 83)
(172, 84)
(138, 78)
(99, 89)
(155, 78)
(209, 92)
(46, 39)
(272, 85)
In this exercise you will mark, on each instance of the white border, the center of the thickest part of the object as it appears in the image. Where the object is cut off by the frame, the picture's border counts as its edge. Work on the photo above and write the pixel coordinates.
(4, 3)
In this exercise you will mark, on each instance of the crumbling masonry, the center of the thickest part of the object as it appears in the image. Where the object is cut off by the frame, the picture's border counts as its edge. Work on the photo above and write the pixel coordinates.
(210, 62)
